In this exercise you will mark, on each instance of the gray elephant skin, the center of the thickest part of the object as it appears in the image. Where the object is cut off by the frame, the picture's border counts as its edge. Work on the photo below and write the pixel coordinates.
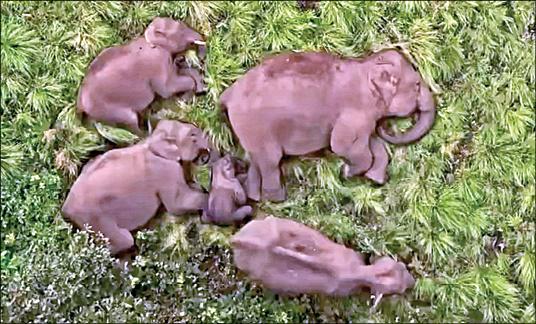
(301, 103)
(121, 190)
(227, 198)
(122, 81)
(290, 258)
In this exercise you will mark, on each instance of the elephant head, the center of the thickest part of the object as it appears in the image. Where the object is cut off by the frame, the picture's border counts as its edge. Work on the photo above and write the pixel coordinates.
(174, 36)
(389, 277)
(399, 88)
(178, 141)
(224, 167)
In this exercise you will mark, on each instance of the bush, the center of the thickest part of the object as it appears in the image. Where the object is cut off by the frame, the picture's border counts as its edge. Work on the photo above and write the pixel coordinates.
(458, 208)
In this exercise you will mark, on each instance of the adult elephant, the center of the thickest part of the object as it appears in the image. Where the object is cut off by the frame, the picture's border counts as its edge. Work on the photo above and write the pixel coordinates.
(121, 190)
(123, 80)
(298, 103)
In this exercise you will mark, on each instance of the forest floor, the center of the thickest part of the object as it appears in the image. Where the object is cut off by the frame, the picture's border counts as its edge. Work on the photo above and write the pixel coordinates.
(458, 208)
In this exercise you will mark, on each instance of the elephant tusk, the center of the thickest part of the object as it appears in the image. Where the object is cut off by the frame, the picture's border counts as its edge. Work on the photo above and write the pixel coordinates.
(377, 299)
(148, 42)
(198, 42)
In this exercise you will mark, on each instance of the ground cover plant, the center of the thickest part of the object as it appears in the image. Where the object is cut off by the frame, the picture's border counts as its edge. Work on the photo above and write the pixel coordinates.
(459, 206)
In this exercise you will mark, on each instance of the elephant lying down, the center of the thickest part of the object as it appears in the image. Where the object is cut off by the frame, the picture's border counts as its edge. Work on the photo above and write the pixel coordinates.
(300, 103)
(121, 190)
(290, 258)
(227, 198)
(122, 81)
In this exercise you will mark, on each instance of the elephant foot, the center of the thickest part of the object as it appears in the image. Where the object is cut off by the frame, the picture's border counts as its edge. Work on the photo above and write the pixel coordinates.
(274, 195)
(348, 171)
(200, 86)
(252, 193)
(242, 213)
(254, 196)
(377, 176)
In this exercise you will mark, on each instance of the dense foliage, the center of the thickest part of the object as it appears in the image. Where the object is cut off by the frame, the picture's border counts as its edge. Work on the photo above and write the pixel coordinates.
(459, 206)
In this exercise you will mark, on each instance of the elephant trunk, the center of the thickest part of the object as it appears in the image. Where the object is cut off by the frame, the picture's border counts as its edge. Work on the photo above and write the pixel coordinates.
(201, 49)
(426, 117)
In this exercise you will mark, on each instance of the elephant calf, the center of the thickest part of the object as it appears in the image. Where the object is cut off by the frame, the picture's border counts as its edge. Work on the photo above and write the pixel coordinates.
(121, 190)
(290, 258)
(300, 103)
(227, 198)
(122, 81)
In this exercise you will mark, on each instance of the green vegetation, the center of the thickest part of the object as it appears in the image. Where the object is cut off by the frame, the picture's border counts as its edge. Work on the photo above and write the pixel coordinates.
(459, 207)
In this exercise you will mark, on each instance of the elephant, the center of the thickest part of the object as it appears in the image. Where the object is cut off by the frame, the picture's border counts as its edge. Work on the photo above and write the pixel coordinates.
(121, 190)
(122, 81)
(290, 258)
(300, 103)
(227, 198)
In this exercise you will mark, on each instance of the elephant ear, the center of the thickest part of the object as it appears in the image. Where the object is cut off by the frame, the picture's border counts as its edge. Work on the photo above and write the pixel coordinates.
(157, 33)
(383, 79)
(164, 146)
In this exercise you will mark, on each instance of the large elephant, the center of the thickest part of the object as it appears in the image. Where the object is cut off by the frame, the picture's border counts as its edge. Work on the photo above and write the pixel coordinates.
(121, 190)
(122, 81)
(290, 258)
(299, 103)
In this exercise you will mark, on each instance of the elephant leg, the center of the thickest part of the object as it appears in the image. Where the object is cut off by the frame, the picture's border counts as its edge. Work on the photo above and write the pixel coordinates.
(253, 182)
(378, 171)
(268, 163)
(120, 239)
(350, 139)
(242, 213)
(122, 116)
(191, 201)
(175, 84)
(197, 76)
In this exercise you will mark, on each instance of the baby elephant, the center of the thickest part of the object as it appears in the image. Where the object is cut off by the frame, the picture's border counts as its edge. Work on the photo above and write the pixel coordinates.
(290, 258)
(122, 81)
(227, 196)
(121, 190)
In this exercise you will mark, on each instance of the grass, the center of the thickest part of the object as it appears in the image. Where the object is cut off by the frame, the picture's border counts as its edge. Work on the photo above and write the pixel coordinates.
(459, 207)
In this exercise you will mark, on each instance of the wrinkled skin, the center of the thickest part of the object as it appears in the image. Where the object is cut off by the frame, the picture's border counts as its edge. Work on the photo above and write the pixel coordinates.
(290, 258)
(300, 103)
(121, 190)
(227, 198)
(123, 80)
